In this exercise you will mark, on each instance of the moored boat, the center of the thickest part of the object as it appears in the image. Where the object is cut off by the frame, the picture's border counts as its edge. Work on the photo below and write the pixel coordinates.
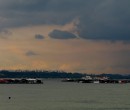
(20, 81)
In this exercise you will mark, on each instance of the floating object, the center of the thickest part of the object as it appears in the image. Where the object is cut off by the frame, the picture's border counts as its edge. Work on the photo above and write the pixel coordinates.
(9, 97)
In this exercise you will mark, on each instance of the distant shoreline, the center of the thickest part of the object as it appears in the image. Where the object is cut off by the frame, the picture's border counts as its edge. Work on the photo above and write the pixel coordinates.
(54, 74)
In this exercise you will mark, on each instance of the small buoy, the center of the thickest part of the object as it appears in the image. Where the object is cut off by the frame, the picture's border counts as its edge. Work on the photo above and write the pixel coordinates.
(9, 97)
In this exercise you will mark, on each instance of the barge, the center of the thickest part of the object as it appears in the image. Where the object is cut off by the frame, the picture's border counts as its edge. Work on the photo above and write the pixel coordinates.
(20, 81)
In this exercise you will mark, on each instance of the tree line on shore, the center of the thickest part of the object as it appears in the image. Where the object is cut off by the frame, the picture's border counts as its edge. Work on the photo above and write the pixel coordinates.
(54, 74)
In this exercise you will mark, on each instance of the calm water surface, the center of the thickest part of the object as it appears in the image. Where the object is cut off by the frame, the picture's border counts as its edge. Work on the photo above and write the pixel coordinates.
(57, 95)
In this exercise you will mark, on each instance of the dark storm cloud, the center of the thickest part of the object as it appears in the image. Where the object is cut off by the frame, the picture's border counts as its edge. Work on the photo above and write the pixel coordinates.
(30, 53)
(110, 21)
(99, 19)
(39, 36)
(57, 34)
(17, 13)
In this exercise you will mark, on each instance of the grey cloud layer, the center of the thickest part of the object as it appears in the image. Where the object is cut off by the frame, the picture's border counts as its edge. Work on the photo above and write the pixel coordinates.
(99, 19)
(30, 53)
(110, 21)
(57, 34)
(39, 36)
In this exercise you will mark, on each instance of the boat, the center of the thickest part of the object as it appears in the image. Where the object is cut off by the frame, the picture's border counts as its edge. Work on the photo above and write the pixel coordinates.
(20, 81)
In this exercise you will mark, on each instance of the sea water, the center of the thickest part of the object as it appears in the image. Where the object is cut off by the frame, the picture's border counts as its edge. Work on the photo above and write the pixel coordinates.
(57, 95)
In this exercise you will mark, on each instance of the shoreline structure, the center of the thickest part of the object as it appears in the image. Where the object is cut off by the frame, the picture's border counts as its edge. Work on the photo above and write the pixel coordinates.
(86, 79)
(20, 81)
(96, 80)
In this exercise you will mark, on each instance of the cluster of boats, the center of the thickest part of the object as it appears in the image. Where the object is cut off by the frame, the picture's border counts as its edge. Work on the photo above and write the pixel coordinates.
(96, 80)
(20, 81)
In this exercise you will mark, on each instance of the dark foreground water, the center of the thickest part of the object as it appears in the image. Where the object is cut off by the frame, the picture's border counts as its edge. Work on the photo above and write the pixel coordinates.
(56, 95)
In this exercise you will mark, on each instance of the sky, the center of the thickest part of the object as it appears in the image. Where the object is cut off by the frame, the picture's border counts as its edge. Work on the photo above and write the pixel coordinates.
(88, 36)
